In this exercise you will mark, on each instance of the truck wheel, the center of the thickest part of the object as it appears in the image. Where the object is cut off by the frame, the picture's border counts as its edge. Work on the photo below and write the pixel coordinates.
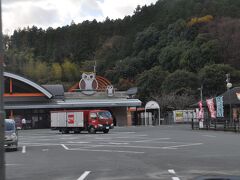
(64, 131)
(92, 130)
(105, 131)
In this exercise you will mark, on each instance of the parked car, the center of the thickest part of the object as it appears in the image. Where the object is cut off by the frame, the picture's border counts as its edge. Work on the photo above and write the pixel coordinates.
(11, 135)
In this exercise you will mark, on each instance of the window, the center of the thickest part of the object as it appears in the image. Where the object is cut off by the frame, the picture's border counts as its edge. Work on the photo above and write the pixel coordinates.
(104, 115)
(9, 126)
(93, 116)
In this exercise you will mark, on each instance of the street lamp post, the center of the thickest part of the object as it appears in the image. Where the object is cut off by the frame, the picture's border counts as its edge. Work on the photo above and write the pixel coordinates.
(229, 86)
(201, 92)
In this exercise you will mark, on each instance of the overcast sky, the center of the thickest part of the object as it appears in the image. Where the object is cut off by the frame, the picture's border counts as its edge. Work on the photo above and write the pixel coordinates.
(54, 13)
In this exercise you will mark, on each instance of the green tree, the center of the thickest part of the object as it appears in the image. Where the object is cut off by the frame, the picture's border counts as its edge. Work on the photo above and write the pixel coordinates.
(170, 56)
(192, 59)
(180, 82)
(70, 71)
(213, 78)
(150, 82)
(56, 72)
(41, 72)
(144, 40)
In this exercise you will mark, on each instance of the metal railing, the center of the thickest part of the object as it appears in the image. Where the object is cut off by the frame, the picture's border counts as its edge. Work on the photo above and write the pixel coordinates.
(217, 125)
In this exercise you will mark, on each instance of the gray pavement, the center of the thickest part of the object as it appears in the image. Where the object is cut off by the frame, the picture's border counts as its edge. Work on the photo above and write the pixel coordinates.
(126, 153)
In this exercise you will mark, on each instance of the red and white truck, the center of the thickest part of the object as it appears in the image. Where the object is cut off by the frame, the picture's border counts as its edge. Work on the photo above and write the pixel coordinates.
(82, 120)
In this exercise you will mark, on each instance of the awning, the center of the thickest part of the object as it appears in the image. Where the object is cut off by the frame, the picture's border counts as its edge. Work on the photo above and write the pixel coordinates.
(78, 104)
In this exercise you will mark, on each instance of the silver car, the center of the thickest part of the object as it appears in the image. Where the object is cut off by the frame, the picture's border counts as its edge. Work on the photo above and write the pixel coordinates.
(11, 135)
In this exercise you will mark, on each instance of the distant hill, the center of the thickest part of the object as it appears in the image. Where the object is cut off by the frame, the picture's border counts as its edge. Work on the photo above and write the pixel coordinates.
(167, 48)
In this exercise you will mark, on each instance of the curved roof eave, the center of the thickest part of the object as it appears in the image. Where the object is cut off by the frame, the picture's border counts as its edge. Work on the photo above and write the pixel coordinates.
(29, 82)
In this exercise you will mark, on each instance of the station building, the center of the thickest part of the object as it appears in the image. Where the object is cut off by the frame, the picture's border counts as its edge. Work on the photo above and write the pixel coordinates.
(24, 98)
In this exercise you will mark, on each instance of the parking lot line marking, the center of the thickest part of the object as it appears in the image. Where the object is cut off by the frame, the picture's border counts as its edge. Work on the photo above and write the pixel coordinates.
(24, 149)
(209, 135)
(145, 147)
(69, 138)
(84, 175)
(104, 150)
(78, 142)
(125, 133)
(65, 147)
(117, 143)
(175, 178)
(103, 138)
(146, 140)
(12, 164)
(39, 144)
(141, 135)
(171, 171)
(184, 145)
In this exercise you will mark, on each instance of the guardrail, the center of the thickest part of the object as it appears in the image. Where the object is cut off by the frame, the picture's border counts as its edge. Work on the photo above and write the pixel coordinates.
(217, 125)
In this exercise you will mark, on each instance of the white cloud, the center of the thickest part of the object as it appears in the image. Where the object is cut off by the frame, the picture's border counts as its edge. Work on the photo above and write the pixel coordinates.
(119, 8)
(54, 13)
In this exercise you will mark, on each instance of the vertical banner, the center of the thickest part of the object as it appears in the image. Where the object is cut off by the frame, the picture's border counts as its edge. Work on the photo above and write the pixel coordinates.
(219, 103)
(235, 114)
(211, 108)
(200, 113)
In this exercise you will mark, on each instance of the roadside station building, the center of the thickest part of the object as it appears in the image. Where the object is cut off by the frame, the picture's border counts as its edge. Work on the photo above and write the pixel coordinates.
(24, 98)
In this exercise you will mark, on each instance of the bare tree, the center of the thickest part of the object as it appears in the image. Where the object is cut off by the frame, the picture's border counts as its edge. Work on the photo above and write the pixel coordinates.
(173, 101)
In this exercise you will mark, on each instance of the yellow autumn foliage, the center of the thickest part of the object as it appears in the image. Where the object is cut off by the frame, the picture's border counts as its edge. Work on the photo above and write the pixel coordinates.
(204, 19)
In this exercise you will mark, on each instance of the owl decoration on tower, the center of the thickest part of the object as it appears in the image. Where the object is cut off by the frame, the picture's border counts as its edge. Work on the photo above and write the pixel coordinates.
(88, 84)
(110, 90)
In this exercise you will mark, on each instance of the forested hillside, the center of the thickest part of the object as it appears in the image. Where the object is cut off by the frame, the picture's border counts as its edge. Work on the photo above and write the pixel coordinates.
(167, 49)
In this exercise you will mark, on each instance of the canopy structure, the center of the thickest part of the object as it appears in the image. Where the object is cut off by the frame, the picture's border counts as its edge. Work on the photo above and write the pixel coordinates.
(152, 105)
(29, 82)
(78, 104)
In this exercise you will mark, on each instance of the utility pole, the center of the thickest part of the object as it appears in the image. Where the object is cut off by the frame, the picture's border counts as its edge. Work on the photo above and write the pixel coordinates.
(95, 66)
(2, 113)
(201, 92)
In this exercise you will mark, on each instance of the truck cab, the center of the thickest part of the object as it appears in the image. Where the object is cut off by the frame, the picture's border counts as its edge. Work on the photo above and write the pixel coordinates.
(100, 120)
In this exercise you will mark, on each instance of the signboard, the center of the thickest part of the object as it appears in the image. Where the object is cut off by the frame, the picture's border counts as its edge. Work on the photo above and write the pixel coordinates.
(179, 116)
(70, 118)
(211, 108)
(219, 103)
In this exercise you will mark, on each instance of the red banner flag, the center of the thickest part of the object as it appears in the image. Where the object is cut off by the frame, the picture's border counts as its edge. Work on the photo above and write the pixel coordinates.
(200, 113)
(210, 104)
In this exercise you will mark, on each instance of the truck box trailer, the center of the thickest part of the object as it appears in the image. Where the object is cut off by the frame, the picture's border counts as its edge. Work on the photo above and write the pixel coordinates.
(82, 120)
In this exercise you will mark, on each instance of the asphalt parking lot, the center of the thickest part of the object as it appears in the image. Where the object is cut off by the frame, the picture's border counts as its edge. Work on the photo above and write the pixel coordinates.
(126, 153)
